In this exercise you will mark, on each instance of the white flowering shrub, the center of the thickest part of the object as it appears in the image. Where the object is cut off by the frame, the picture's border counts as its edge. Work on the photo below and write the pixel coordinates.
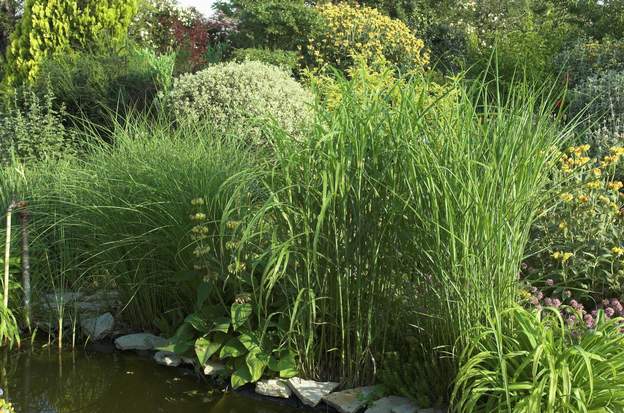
(242, 98)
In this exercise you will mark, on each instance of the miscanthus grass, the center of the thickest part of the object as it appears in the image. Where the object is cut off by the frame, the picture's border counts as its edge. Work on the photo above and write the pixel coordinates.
(398, 216)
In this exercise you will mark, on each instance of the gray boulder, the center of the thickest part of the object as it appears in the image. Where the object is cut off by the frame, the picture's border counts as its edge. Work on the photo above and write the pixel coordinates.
(98, 327)
(140, 341)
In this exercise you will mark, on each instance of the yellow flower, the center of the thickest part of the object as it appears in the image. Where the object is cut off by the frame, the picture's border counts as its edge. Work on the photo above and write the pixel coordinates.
(594, 185)
(617, 251)
(563, 225)
(615, 185)
(566, 197)
(562, 256)
(597, 172)
(583, 199)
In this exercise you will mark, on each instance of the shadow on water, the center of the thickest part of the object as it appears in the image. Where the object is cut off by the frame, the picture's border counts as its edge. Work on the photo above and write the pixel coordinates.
(95, 382)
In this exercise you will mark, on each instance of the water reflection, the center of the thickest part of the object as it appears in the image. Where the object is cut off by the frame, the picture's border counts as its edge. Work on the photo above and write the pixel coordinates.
(82, 381)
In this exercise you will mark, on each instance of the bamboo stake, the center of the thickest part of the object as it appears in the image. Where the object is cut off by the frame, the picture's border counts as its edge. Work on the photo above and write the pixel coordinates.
(7, 254)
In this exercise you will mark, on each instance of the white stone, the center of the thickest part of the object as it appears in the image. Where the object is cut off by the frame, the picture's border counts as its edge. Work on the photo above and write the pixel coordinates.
(391, 404)
(167, 358)
(140, 341)
(212, 368)
(349, 401)
(98, 327)
(273, 388)
(311, 392)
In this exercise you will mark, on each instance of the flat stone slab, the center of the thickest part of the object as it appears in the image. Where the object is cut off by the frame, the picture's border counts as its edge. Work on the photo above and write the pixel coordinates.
(140, 341)
(167, 358)
(311, 392)
(392, 404)
(273, 388)
(349, 401)
(212, 368)
(98, 327)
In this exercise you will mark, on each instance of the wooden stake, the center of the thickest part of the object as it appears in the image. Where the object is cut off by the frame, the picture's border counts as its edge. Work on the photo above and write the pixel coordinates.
(7, 254)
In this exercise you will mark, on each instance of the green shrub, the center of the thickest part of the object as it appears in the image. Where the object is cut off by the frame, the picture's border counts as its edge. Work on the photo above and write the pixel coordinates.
(92, 86)
(287, 60)
(585, 58)
(236, 96)
(33, 129)
(48, 28)
(525, 361)
(351, 31)
(599, 98)
(273, 24)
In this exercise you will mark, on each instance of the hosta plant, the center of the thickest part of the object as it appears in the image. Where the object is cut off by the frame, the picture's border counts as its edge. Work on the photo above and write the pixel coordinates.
(528, 361)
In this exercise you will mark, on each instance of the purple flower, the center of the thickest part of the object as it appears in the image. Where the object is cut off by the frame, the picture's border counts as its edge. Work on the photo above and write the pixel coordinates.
(574, 304)
(609, 312)
(556, 303)
(548, 301)
(533, 290)
(567, 293)
(534, 301)
(605, 302)
(550, 282)
(571, 320)
(540, 295)
(589, 321)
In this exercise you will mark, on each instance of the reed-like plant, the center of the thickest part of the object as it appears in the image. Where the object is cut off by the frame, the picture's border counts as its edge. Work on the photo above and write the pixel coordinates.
(528, 361)
(396, 218)
(117, 217)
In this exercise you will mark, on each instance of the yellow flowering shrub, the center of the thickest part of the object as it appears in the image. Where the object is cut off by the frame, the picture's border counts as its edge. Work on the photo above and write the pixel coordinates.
(349, 31)
(5, 406)
(578, 241)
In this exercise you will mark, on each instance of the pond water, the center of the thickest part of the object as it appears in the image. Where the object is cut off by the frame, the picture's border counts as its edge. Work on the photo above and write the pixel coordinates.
(113, 382)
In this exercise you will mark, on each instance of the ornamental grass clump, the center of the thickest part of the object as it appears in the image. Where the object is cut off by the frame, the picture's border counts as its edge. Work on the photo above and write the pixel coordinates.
(528, 361)
(395, 217)
(240, 98)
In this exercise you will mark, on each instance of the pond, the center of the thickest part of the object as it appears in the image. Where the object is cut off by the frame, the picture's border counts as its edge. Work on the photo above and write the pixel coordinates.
(104, 382)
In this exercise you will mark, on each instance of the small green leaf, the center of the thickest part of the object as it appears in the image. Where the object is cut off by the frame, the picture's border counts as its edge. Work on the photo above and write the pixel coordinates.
(286, 365)
(233, 348)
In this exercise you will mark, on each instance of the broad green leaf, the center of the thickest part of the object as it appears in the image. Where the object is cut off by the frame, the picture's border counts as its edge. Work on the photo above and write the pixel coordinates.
(250, 341)
(206, 346)
(256, 361)
(221, 324)
(233, 348)
(241, 377)
(198, 322)
(240, 314)
(182, 341)
(286, 365)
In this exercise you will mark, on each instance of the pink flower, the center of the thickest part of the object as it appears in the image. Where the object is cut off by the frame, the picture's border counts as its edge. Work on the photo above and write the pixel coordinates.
(609, 312)
(556, 303)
